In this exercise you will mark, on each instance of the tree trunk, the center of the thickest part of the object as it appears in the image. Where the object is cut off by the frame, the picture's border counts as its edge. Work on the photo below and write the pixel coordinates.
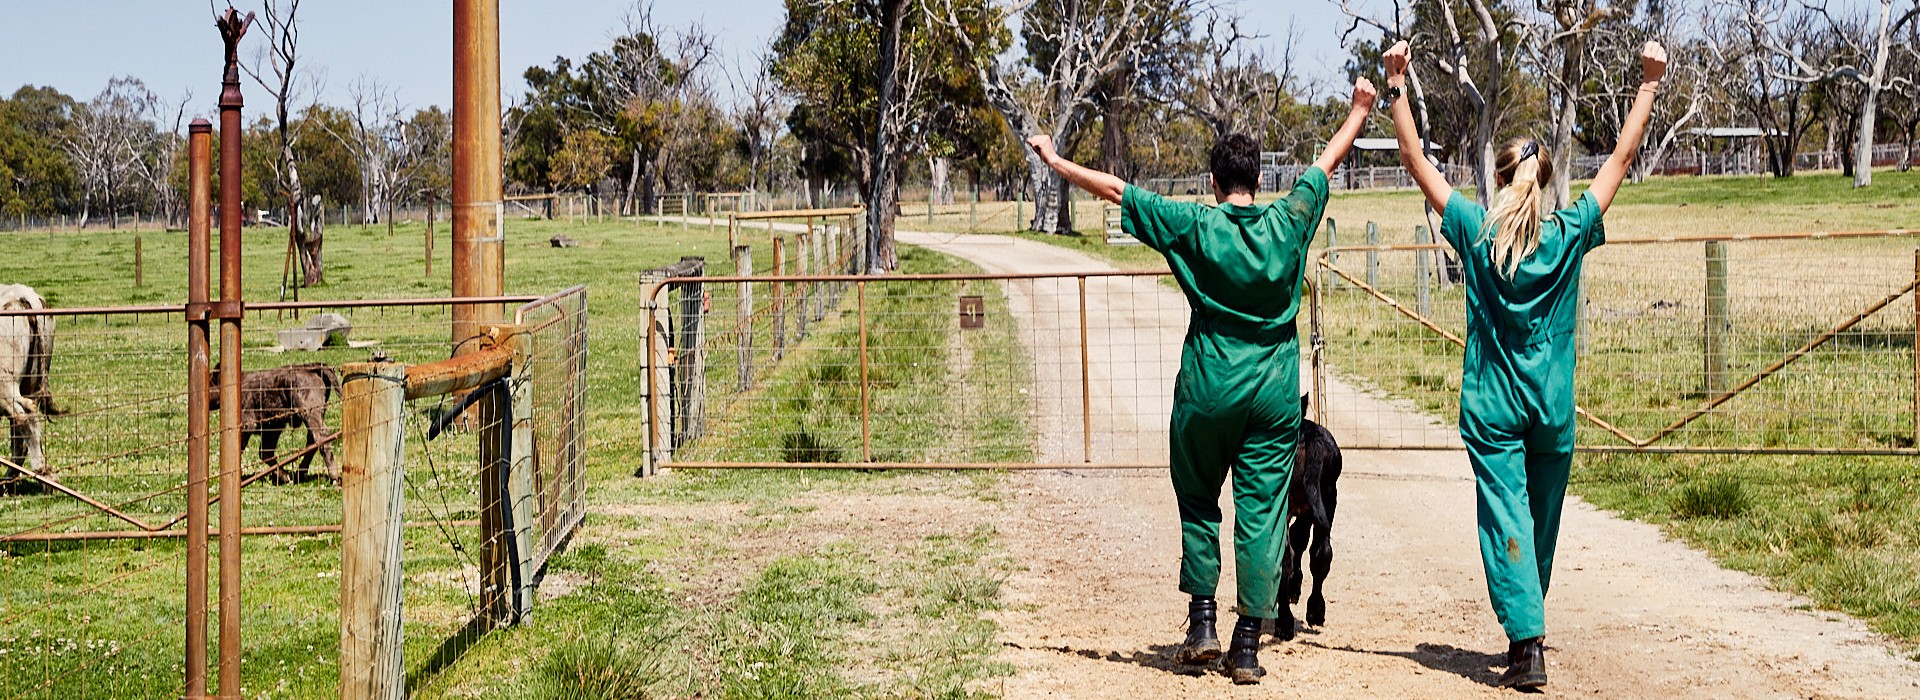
(630, 200)
(939, 191)
(1567, 114)
(1113, 139)
(1046, 186)
(881, 186)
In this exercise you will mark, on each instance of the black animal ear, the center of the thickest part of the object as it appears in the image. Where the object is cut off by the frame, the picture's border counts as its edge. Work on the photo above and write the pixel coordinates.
(1304, 400)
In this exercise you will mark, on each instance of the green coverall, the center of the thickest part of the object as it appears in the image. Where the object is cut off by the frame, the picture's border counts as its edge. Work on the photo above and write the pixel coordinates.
(1516, 397)
(1236, 404)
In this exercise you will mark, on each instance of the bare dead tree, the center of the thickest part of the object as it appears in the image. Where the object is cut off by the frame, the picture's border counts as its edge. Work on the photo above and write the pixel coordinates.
(1557, 43)
(1903, 82)
(649, 75)
(108, 142)
(1232, 83)
(156, 167)
(1754, 42)
(370, 136)
(276, 67)
(1089, 43)
(760, 113)
(1685, 90)
(1852, 52)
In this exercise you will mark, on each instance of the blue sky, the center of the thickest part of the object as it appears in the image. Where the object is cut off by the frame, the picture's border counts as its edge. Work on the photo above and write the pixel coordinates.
(171, 45)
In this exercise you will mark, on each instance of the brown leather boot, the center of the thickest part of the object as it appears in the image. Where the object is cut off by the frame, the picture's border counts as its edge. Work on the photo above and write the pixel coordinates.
(1202, 644)
(1526, 665)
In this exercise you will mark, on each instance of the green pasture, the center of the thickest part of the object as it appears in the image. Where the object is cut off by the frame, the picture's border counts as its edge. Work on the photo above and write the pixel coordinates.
(106, 618)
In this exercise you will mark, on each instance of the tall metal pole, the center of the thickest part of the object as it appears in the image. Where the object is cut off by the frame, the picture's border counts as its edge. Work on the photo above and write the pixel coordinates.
(199, 224)
(229, 311)
(478, 239)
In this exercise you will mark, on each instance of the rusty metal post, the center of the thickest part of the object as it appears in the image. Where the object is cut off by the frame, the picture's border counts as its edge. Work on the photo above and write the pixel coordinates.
(478, 237)
(866, 428)
(229, 311)
(1086, 386)
(199, 225)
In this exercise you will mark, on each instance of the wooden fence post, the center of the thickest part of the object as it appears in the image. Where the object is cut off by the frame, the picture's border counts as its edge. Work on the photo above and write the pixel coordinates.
(1423, 274)
(1373, 256)
(804, 290)
(1717, 320)
(139, 263)
(743, 267)
(505, 583)
(656, 426)
(373, 408)
(1916, 346)
(1333, 241)
(506, 489)
(779, 299)
(817, 242)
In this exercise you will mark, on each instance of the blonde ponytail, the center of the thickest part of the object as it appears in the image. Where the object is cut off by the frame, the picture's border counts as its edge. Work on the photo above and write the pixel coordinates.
(1514, 222)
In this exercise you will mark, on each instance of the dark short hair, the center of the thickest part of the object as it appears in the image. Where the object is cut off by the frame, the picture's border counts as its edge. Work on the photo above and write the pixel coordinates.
(1235, 162)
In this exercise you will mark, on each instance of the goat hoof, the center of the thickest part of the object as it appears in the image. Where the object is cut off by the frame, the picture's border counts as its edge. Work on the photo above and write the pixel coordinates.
(1317, 612)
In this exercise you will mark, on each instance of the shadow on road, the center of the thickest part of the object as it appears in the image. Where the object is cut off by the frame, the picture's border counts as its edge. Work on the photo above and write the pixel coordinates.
(1471, 665)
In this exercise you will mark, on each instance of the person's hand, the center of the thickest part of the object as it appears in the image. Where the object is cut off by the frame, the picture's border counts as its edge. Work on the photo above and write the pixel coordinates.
(1653, 62)
(1396, 60)
(1042, 145)
(1364, 96)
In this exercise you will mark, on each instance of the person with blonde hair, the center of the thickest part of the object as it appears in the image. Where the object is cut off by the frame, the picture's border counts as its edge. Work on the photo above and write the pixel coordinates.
(1521, 269)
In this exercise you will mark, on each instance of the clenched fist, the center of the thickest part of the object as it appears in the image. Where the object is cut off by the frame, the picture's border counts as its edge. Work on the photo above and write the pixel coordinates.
(1042, 145)
(1653, 62)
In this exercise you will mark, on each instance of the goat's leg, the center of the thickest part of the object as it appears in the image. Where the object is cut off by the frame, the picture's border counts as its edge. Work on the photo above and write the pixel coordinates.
(23, 424)
(1322, 563)
(317, 431)
(1284, 624)
(270, 451)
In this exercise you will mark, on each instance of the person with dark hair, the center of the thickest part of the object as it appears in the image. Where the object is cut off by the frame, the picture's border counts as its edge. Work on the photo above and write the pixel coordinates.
(1236, 403)
(1522, 275)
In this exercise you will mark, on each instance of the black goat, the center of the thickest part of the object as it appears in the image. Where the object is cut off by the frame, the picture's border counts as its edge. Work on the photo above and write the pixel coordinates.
(1311, 498)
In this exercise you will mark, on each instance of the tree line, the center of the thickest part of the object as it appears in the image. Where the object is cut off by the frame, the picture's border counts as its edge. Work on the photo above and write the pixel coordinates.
(852, 98)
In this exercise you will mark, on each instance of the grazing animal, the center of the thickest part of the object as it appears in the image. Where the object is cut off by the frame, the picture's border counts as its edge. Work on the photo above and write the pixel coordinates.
(272, 399)
(26, 355)
(1312, 496)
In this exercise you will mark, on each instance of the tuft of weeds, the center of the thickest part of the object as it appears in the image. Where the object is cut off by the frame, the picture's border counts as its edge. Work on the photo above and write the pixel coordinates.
(1719, 496)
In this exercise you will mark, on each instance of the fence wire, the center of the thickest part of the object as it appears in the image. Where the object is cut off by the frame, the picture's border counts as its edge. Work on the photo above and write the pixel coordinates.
(92, 573)
(1799, 344)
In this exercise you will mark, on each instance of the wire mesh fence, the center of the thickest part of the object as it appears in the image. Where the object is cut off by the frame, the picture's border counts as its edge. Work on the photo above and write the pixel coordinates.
(1791, 343)
(92, 561)
(956, 370)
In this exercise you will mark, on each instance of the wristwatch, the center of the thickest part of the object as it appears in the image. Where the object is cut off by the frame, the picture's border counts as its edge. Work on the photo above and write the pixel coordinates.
(1393, 93)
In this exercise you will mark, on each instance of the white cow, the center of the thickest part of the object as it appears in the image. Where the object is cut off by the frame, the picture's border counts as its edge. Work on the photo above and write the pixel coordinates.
(26, 353)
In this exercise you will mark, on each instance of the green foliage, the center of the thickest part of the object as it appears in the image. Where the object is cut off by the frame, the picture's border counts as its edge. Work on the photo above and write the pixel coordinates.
(35, 177)
(1720, 496)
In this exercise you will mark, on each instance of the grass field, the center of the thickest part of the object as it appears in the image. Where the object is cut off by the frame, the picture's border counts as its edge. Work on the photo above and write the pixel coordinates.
(650, 600)
(1841, 530)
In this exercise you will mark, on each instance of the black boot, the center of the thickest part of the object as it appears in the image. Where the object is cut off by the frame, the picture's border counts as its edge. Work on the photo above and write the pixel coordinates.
(1243, 652)
(1526, 665)
(1203, 644)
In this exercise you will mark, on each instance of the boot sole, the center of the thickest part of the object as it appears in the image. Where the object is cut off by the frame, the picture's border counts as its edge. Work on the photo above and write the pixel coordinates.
(1529, 681)
(1196, 657)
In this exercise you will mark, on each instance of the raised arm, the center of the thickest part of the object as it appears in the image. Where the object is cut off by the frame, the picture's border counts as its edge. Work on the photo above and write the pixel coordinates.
(1106, 186)
(1342, 141)
(1653, 64)
(1413, 154)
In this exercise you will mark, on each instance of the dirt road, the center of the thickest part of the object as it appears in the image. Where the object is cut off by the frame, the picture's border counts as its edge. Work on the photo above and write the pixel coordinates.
(1095, 612)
